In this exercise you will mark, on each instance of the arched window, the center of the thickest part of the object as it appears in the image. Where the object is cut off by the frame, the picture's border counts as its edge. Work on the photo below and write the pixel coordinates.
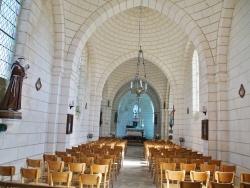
(195, 81)
(9, 12)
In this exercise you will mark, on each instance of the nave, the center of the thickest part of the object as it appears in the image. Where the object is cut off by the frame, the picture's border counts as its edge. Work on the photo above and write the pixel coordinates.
(134, 173)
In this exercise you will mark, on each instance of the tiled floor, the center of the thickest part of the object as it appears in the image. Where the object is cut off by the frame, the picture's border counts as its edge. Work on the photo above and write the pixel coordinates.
(134, 173)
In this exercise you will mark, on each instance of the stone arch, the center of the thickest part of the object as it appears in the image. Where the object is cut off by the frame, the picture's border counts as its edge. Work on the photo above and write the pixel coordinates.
(169, 9)
(223, 33)
(59, 32)
(126, 57)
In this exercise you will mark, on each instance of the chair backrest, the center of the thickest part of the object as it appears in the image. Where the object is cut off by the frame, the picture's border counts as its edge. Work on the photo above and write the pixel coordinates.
(90, 180)
(96, 168)
(188, 184)
(87, 160)
(95, 155)
(60, 153)
(55, 166)
(105, 162)
(221, 185)
(200, 177)
(224, 177)
(49, 157)
(198, 162)
(206, 158)
(109, 157)
(68, 159)
(60, 177)
(244, 177)
(228, 168)
(77, 167)
(174, 175)
(244, 185)
(7, 171)
(167, 166)
(187, 167)
(30, 174)
(207, 167)
(34, 163)
(178, 161)
(215, 162)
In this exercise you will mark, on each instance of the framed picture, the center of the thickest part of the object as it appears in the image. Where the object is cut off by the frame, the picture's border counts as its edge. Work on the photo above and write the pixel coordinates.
(69, 125)
(204, 129)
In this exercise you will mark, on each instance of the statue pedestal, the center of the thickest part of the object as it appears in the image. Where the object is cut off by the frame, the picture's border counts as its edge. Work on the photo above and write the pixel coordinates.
(6, 114)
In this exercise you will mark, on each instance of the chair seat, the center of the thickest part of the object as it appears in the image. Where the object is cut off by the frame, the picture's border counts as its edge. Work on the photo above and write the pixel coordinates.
(39, 183)
(170, 185)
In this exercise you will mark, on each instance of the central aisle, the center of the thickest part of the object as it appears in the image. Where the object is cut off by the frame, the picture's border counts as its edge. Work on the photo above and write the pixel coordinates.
(134, 173)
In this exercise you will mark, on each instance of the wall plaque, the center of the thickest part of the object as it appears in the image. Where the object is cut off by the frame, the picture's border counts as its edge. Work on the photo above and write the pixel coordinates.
(204, 129)
(69, 125)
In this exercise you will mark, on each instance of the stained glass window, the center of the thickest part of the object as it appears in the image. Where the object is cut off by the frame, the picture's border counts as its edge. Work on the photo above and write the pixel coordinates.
(8, 21)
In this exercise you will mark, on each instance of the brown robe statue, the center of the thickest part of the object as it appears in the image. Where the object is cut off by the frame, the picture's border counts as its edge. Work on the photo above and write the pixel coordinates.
(12, 98)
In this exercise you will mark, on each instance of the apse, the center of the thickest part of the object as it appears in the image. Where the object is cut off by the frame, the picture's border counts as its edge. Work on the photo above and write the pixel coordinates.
(130, 108)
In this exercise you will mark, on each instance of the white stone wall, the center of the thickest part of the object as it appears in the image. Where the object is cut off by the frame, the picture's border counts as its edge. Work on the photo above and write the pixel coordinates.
(35, 42)
(238, 67)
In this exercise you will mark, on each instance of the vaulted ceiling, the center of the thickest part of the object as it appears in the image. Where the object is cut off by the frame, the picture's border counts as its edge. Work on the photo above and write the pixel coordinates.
(119, 36)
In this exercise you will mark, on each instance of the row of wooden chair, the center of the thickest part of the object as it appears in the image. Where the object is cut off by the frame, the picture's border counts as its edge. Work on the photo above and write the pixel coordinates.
(58, 177)
(201, 177)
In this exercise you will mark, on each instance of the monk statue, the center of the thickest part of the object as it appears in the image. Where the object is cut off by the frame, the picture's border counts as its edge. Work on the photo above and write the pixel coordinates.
(12, 98)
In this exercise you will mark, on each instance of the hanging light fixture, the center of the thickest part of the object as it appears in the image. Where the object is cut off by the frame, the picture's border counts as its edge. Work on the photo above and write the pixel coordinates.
(139, 86)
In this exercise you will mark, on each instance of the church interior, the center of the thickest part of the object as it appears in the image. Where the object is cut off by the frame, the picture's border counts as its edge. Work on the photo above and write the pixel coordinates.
(137, 71)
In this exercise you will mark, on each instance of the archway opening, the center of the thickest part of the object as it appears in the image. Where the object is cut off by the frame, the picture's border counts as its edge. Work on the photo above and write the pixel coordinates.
(139, 114)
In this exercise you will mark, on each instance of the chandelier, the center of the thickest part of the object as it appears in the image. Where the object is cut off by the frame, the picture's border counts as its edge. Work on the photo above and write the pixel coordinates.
(138, 85)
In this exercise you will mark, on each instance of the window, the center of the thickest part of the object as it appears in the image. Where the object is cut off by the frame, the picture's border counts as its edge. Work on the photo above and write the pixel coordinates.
(8, 21)
(195, 81)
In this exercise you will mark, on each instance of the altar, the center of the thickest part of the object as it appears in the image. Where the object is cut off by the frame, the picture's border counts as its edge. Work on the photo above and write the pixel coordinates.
(136, 132)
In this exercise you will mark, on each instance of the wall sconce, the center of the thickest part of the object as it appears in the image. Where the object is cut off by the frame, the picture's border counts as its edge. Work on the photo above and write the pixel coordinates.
(71, 104)
(204, 110)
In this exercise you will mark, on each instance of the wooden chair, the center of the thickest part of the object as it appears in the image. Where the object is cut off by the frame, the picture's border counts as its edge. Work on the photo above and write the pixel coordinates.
(206, 158)
(76, 169)
(8, 171)
(221, 185)
(215, 162)
(175, 176)
(244, 185)
(118, 158)
(34, 163)
(101, 169)
(200, 177)
(224, 177)
(49, 157)
(31, 176)
(163, 167)
(114, 165)
(178, 161)
(188, 184)
(67, 160)
(187, 168)
(157, 171)
(93, 155)
(90, 180)
(88, 161)
(198, 162)
(244, 177)
(60, 177)
(210, 168)
(59, 154)
(111, 172)
(53, 166)
(228, 168)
